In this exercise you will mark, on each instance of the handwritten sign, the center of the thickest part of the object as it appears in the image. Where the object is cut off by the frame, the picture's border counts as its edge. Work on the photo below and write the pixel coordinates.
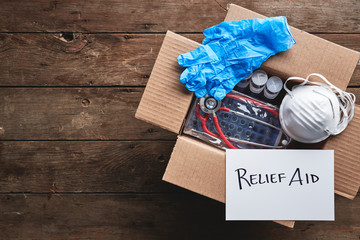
(279, 184)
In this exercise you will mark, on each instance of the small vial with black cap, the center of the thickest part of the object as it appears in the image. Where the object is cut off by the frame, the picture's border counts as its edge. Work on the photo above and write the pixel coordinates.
(243, 85)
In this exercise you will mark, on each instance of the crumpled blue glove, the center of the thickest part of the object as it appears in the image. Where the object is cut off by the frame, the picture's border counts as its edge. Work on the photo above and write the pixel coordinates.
(231, 52)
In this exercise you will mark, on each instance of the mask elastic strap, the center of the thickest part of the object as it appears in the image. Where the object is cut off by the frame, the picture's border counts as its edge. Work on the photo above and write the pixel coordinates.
(346, 100)
(293, 79)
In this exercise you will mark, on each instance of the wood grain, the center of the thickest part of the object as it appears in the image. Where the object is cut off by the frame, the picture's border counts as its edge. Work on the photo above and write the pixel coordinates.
(76, 164)
(77, 114)
(355, 91)
(83, 166)
(153, 216)
(96, 59)
(105, 60)
(74, 113)
(159, 16)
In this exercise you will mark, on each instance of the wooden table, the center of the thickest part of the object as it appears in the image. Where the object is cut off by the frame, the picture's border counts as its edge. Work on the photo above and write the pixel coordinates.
(76, 164)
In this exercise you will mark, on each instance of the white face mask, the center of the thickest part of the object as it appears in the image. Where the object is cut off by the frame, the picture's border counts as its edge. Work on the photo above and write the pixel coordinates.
(311, 113)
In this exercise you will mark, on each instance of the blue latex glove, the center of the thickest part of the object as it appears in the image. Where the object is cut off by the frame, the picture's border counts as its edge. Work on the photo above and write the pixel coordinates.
(231, 52)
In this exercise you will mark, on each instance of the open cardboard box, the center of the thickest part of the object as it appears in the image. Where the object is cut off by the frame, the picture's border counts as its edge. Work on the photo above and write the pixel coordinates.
(200, 167)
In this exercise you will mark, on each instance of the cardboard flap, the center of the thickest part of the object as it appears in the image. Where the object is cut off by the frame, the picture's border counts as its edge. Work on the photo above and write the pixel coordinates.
(165, 101)
(310, 54)
(347, 160)
(200, 167)
(197, 166)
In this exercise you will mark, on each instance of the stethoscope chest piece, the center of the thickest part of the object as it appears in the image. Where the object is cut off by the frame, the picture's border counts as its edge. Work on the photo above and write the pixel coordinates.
(209, 104)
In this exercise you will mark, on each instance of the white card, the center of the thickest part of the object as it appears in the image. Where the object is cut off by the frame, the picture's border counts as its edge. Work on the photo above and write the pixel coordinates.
(279, 184)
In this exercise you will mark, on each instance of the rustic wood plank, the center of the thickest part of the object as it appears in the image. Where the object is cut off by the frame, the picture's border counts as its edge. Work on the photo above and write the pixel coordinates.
(96, 59)
(87, 60)
(355, 91)
(77, 114)
(158, 16)
(82, 166)
(99, 113)
(74, 113)
(153, 216)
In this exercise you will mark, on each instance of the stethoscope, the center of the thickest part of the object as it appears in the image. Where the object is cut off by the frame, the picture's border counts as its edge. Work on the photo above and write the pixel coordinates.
(210, 106)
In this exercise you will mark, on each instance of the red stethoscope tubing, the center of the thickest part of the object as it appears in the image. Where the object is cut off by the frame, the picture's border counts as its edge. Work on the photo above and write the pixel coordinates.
(222, 136)
(206, 117)
(216, 121)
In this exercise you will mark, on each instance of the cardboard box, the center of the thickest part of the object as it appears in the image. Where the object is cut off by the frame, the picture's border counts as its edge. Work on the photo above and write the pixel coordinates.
(199, 167)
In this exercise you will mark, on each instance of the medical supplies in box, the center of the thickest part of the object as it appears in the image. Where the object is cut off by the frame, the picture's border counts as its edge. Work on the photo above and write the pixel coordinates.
(310, 113)
(199, 166)
(238, 121)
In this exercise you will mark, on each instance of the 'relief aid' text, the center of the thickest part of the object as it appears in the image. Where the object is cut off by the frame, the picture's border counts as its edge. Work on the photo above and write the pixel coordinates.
(296, 177)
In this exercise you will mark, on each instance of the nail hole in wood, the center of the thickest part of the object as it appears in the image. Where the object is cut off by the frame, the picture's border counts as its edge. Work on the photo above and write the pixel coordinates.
(68, 36)
(85, 102)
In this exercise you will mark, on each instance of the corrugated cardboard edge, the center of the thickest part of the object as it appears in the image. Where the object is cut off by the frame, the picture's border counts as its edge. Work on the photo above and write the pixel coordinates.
(347, 158)
(199, 167)
(310, 54)
(165, 100)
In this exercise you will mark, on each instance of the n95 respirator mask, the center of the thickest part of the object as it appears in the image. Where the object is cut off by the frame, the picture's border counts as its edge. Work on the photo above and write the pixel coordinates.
(311, 113)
